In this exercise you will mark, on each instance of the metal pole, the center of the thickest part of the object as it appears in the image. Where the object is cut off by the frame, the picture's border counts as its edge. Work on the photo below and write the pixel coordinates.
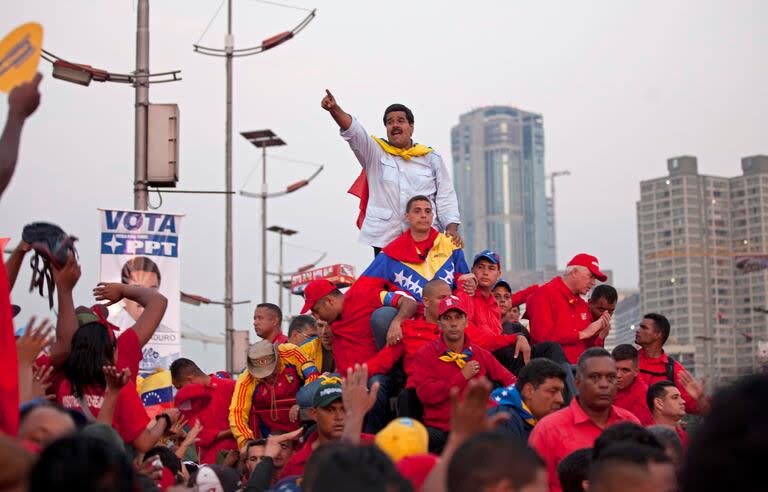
(228, 292)
(280, 273)
(264, 224)
(142, 103)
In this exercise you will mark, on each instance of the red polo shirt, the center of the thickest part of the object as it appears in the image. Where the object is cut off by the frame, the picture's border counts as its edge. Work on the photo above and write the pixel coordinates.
(658, 365)
(353, 341)
(416, 334)
(558, 315)
(560, 433)
(296, 463)
(215, 418)
(632, 398)
(434, 378)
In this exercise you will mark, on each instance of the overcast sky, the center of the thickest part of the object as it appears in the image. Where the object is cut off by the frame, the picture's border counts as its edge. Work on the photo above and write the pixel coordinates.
(622, 87)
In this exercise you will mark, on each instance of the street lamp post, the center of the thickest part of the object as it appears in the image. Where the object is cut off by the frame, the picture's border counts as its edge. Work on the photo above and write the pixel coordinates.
(263, 139)
(283, 232)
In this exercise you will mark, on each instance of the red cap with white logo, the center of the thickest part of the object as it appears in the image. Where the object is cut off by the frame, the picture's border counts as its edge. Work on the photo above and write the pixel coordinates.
(451, 302)
(591, 263)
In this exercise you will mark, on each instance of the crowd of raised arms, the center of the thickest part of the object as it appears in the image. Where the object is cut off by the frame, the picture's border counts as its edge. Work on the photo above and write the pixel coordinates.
(421, 376)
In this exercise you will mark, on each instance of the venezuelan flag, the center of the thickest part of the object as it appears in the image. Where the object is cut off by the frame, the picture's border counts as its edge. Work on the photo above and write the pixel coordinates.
(156, 390)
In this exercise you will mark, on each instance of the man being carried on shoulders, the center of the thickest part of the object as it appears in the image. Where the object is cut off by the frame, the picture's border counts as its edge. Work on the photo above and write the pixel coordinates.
(394, 170)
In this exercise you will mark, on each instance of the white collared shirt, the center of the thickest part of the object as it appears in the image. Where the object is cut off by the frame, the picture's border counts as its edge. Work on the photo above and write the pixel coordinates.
(392, 181)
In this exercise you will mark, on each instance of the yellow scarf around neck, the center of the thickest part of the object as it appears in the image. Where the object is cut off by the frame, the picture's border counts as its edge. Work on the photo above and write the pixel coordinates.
(417, 150)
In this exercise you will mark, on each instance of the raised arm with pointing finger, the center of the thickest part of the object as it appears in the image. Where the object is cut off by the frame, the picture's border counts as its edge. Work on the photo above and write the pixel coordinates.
(394, 170)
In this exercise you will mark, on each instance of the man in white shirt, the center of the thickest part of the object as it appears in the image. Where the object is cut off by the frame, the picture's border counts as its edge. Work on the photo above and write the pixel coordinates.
(394, 171)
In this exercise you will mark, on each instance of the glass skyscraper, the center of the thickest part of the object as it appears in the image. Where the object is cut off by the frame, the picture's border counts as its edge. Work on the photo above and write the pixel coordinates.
(498, 172)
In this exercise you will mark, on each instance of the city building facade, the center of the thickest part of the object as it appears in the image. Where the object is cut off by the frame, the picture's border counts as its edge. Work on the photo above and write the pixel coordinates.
(701, 242)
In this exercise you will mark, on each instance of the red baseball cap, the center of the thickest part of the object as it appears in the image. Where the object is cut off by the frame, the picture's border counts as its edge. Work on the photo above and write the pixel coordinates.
(316, 290)
(451, 302)
(591, 263)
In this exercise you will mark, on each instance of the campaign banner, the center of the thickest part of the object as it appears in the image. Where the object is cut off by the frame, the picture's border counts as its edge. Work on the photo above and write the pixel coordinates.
(142, 248)
(341, 275)
(751, 263)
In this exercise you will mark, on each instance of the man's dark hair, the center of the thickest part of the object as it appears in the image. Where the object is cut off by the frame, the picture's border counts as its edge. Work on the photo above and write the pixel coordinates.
(727, 452)
(417, 198)
(574, 469)
(398, 107)
(276, 311)
(625, 351)
(667, 437)
(252, 443)
(624, 432)
(139, 264)
(661, 323)
(537, 371)
(622, 462)
(181, 367)
(604, 291)
(590, 353)
(489, 457)
(167, 457)
(83, 463)
(657, 390)
(301, 323)
(91, 349)
(360, 468)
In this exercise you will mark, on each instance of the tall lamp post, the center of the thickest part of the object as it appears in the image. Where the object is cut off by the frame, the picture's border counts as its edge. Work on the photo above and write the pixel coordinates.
(263, 139)
(229, 52)
(283, 232)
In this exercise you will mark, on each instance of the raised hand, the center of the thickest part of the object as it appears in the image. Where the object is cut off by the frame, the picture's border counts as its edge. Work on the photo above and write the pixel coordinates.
(41, 381)
(115, 378)
(358, 400)
(108, 291)
(468, 414)
(67, 276)
(25, 98)
(33, 341)
(329, 102)
(690, 385)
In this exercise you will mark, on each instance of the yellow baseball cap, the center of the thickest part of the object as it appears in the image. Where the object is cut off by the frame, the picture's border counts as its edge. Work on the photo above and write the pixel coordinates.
(403, 437)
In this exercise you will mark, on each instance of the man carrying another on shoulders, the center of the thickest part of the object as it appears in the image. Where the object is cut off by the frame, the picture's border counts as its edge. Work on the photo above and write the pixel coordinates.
(394, 170)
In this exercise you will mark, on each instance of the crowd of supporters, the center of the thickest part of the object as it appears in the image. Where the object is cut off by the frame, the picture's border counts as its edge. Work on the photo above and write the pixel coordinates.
(421, 376)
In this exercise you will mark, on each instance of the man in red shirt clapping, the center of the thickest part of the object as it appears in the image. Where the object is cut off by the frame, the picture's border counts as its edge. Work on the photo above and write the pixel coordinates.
(450, 361)
(557, 313)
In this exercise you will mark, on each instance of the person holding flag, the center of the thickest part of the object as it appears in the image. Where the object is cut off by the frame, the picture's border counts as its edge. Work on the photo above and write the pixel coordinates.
(394, 170)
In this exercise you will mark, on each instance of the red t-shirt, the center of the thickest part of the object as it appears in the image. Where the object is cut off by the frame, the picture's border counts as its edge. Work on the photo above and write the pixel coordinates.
(353, 341)
(215, 418)
(560, 433)
(632, 398)
(9, 367)
(130, 417)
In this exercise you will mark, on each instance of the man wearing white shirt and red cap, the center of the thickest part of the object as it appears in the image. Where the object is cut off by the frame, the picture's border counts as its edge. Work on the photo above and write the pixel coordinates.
(557, 312)
(394, 170)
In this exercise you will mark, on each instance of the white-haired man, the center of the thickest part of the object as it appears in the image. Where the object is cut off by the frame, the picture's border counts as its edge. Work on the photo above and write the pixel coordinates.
(557, 312)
